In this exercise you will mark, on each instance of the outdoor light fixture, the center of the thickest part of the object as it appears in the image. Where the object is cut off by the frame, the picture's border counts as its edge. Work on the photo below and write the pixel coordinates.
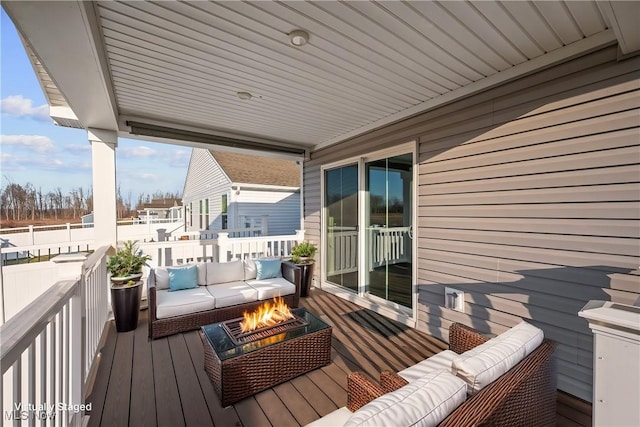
(245, 96)
(298, 37)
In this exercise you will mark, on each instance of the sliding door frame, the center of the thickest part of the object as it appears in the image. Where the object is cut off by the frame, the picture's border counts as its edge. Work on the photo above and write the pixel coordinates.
(388, 308)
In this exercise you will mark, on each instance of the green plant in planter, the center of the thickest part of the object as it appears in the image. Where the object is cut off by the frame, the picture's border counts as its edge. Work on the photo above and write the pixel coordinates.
(127, 262)
(303, 253)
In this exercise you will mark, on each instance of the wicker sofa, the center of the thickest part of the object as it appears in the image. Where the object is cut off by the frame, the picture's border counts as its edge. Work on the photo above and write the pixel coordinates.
(225, 291)
(523, 396)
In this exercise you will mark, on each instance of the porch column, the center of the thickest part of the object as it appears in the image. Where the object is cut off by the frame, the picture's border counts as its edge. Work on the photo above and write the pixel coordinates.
(103, 148)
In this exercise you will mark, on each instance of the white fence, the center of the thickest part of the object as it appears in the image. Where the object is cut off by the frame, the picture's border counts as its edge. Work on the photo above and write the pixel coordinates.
(154, 231)
(72, 233)
(48, 349)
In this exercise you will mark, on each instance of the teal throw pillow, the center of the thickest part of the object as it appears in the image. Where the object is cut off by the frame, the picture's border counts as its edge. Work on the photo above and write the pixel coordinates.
(182, 278)
(268, 268)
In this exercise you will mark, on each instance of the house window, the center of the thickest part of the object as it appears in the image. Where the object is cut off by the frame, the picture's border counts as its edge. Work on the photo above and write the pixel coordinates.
(223, 211)
(190, 214)
(206, 213)
(201, 214)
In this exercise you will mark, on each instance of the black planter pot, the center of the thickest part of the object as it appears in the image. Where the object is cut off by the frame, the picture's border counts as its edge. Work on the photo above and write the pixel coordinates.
(307, 276)
(125, 303)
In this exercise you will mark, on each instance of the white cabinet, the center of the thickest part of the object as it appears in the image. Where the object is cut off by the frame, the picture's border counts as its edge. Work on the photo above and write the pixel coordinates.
(616, 364)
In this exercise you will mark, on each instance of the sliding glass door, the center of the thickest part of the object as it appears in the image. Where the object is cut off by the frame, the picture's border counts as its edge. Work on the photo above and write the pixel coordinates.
(341, 222)
(368, 227)
(388, 232)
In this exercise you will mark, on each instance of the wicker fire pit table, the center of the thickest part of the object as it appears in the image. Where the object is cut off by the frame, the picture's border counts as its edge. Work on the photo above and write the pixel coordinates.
(239, 367)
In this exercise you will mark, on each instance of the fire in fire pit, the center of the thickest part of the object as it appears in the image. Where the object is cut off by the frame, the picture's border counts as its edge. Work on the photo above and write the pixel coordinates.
(268, 320)
(267, 314)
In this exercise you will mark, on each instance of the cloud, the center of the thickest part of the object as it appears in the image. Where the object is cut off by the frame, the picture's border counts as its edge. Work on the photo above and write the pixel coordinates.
(17, 105)
(39, 143)
(179, 158)
(143, 175)
(11, 162)
(139, 152)
(78, 149)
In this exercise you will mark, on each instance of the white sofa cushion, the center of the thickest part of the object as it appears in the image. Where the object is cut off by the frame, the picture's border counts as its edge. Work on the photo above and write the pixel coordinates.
(424, 402)
(440, 361)
(270, 288)
(224, 272)
(187, 301)
(162, 275)
(485, 363)
(332, 419)
(228, 294)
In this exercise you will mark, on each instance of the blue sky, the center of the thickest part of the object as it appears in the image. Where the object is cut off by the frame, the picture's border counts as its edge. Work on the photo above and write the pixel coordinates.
(33, 149)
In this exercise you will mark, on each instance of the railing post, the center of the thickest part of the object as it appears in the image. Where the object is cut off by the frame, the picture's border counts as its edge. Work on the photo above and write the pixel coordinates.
(69, 265)
(299, 235)
(77, 354)
(223, 243)
(32, 234)
(69, 232)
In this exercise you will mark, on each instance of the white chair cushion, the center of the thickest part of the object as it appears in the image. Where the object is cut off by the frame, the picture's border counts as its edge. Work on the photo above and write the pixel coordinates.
(440, 361)
(485, 363)
(233, 293)
(224, 272)
(162, 275)
(270, 288)
(332, 419)
(186, 301)
(424, 402)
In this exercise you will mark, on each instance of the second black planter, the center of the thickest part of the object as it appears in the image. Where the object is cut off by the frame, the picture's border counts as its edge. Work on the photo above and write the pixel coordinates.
(307, 277)
(125, 302)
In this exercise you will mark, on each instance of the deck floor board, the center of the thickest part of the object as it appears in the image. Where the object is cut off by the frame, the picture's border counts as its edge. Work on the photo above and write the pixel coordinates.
(163, 382)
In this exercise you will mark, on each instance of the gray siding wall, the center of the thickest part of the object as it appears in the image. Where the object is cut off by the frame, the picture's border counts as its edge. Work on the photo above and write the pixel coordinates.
(528, 202)
(281, 207)
(205, 179)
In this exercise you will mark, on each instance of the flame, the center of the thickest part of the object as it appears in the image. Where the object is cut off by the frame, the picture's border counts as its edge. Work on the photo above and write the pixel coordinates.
(267, 314)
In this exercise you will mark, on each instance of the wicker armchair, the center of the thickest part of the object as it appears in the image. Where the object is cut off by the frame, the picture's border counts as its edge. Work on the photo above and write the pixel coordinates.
(524, 396)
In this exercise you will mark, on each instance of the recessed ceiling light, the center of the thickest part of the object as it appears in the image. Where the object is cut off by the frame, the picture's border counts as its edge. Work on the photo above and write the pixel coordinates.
(298, 37)
(245, 96)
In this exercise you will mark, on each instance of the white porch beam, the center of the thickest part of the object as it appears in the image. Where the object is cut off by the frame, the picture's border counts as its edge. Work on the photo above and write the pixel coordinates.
(103, 149)
(65, 37)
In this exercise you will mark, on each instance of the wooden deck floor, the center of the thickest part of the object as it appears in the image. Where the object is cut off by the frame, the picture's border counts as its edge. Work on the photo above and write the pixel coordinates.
(162, 382)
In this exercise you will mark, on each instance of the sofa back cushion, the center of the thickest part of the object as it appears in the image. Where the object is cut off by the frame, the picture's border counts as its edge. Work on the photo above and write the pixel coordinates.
(224, 272)
(250, 269)
(485, 363)
(423, 402)
(162, 276)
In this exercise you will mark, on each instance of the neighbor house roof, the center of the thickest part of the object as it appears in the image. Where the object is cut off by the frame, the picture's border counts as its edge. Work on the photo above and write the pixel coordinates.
(162, 203)
(251, 169)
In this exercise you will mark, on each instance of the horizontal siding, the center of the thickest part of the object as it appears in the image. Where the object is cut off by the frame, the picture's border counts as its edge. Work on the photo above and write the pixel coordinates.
(205, 179)
(534, 214)
(528, 201)
(281, 207)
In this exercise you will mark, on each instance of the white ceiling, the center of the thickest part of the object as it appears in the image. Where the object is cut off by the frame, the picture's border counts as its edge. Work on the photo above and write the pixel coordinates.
(180, 64)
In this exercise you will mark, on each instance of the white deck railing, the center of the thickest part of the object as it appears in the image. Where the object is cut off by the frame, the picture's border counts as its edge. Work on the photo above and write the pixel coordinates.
(222, 249)
(48, 349)
(342, 250)
(388, 245)
(256, 247)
